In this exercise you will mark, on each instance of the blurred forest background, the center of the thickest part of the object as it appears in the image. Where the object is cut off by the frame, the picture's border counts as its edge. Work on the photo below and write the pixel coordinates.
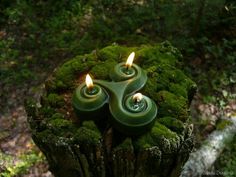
(37, 36)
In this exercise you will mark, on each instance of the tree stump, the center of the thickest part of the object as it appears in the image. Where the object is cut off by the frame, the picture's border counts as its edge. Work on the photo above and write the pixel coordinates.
(95, 149)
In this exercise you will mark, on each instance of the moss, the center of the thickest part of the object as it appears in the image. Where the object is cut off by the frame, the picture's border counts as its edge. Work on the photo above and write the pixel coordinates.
(90, 125)
(178, 90)
(57, 116)
(66, 74)
(101, 69)
(55, 100)
(46, 111)
(151, 55)
(150, 88)
(172, 105)
(114, 52)
(160, 136)
(222, 124)
(161, 130)
(61, 127)
(143, 142)
(125, 145)
(173, 124)
(169, 49)
(88, 133)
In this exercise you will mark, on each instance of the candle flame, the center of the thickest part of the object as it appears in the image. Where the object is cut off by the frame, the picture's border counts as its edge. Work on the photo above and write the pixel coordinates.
(130, 60)
(137, 97)
(89, 81)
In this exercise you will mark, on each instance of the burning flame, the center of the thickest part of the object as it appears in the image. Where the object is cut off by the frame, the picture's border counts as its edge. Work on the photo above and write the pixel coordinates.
(89, 81)
(130, 60)
(137, 97)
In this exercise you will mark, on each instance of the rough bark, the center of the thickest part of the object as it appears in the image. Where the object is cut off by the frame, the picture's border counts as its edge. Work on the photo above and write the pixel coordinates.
(95, 149)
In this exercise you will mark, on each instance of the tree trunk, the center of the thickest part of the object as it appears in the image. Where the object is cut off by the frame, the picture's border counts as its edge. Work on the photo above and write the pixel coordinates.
(95, 148)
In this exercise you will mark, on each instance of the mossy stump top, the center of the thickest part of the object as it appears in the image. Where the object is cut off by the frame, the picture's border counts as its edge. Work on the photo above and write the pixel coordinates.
(95, 149)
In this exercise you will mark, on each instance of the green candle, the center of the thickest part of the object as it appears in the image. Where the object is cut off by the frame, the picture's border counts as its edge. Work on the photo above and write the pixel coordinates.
(89, 99)
(131, 114)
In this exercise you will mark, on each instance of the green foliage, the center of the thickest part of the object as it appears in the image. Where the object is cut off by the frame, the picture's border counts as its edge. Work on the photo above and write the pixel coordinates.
(227, 161)
(55, 100)
(13, 67)
(16, 167)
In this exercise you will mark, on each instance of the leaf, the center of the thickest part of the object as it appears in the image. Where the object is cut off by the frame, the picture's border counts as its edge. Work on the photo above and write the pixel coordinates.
(225, 93)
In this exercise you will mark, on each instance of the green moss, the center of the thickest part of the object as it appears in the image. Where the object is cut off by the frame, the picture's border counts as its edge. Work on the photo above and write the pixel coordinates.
(151, 55)
(143, 142)
(61, 127)
(178, 90)
(102, 68)
(161, 130)
(90, 125)
(66, 74)
(126, 144)
(222, 124)
(160, 136)
(114, 52)
(172, 105)
(88, 133)
(46, 111)
(55, 100)
(85, 135)
(57, 116)
(173, 124)
(60, 123)
(169, 49)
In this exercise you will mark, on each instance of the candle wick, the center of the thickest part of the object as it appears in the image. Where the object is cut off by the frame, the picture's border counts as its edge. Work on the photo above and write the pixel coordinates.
(136, 101)
(90, 89)
(127, 67)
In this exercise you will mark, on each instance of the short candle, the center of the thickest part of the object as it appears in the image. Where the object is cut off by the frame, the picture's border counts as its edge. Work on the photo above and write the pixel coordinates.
(136, 103)
(89, 98)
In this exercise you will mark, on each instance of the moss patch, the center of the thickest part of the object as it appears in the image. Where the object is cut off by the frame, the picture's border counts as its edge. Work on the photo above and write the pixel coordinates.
(88, 133)
(55, 100)
(172, 105)
(159, 136)
(173, 124)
